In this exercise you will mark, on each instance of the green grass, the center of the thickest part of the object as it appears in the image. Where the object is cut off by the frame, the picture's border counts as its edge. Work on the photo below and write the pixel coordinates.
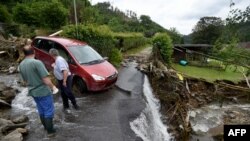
(136, 50)
(208, 74)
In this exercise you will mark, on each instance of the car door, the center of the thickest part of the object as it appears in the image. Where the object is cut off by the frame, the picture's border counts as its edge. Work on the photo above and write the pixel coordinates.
(44, 55)
(62, 52)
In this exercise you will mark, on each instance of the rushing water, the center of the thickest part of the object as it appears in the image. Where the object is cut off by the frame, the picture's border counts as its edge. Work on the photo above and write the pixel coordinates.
(149, 125)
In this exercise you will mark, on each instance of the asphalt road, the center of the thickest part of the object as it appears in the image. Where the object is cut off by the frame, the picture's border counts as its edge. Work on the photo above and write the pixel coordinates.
(103, 116)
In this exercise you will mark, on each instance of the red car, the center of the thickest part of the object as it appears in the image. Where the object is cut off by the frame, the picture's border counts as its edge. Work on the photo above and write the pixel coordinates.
(90, 70)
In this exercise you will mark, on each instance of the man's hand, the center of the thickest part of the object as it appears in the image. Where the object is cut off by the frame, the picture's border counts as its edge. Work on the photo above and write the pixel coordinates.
(64, 83)
(55, 90)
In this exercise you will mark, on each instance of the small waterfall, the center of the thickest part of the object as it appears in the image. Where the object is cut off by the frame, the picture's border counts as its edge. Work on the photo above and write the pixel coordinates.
(149, 125)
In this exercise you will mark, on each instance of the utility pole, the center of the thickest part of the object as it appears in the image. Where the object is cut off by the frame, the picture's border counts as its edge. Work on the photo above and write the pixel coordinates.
(76, 18)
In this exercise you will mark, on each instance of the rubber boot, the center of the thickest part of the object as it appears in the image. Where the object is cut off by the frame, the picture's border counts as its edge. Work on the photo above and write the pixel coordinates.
(43, 122)
(50, 127)
(76, 106)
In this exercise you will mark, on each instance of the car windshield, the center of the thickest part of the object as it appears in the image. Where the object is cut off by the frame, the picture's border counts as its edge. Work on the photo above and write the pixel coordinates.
(86, 55)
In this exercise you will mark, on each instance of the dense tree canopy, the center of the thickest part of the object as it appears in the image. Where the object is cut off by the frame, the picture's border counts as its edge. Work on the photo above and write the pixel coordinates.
(207, 30)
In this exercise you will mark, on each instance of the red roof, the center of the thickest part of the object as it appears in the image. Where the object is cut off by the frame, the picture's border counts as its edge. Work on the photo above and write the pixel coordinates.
(64, 41)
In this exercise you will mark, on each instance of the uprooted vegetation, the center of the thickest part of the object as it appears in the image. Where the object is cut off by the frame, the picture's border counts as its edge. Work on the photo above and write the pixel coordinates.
(178, 97)
(180, 94)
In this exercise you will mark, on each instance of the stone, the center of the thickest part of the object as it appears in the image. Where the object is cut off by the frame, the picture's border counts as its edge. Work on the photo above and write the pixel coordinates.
(4, 122)
(4, 104)
(21, 119)
(192, 114)
(12, 70)
(9, 95)
(232, 116)
(13, 136)
(22, 130)
(2, 86)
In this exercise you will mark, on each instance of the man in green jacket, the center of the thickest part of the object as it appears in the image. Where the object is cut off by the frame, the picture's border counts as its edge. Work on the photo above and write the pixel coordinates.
(39, 85)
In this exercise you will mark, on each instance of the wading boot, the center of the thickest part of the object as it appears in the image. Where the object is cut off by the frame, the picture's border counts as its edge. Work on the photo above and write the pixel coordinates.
(50, 127)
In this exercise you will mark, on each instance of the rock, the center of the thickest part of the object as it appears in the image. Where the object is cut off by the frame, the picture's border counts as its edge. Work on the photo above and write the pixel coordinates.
(4, 104)
(2, 86)
(13, 136)
(20, 119)
(8, 128)
(192, 114)
(22, 130)
(124, 64)
(12, 70)
(232, 116)
(4, 122)
(8, 95)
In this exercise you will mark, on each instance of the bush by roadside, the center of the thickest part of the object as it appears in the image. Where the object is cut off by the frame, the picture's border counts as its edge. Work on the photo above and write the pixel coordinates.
(99, 37)
(127, 41)
(162, 44)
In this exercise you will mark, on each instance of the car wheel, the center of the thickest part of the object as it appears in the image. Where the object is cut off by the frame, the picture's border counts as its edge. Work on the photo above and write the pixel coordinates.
(79, 86)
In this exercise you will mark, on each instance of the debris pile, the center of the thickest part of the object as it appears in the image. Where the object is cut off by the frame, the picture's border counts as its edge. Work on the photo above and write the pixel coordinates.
(11, 53)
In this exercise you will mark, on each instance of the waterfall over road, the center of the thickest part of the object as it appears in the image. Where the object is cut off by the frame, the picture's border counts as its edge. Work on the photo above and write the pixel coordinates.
(149, 125)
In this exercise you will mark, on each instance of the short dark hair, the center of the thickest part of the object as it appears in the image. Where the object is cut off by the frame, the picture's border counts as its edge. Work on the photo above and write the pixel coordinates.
(28, 50)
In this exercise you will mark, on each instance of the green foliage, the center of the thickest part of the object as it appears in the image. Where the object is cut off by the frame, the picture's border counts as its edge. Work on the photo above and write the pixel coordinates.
(238, 22)
(207, 30)
(115, 57)
(175, 36)
(89, 15)
(100, 37)
(54, 15)
(5, 16)
(126, 41)
(209, 74)
(163, 43)
(49, 14)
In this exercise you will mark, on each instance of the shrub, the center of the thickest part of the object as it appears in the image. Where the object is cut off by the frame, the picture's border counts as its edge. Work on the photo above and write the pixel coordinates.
(163, 43)
(99, 37)
(41, 14)
(126, 41)
(5, 16)
(115, 57)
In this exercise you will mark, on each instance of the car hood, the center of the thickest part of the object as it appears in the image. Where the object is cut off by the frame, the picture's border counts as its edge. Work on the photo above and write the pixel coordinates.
(104, 69)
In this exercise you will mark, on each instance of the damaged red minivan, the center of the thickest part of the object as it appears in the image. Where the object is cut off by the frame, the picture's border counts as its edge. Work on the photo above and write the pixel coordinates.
(91, 71)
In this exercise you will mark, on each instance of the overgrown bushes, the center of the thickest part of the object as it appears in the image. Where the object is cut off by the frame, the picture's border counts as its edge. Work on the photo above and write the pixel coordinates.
(41, 14)
(99, 37)
(5, 16)
(126, 41)
(162, 43)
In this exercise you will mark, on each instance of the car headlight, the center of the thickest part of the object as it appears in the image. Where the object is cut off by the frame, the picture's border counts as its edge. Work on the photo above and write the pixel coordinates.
(97, 77)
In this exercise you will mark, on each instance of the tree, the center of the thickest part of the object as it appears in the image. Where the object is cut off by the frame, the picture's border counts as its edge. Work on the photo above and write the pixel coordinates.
(51, 14)
(175, 36)
(207, 30)
(5, 16)
(89, 15)
(54, 15)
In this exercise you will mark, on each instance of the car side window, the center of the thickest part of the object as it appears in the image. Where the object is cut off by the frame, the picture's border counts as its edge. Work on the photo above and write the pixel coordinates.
(62, 51)
(37, 42)
(46, 45)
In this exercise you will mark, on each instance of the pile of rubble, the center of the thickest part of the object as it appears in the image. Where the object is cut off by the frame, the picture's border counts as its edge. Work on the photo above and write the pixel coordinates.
(13, 130)
(11, 53)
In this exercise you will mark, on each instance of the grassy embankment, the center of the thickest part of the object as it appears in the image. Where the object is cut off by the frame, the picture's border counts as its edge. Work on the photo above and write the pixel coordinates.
(210, 74)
